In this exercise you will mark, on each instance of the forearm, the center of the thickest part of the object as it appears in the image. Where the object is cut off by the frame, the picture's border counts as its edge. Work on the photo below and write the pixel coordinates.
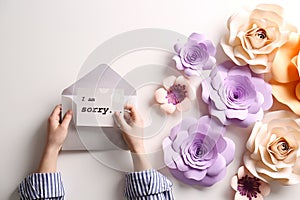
(140, 161)
(48, 163)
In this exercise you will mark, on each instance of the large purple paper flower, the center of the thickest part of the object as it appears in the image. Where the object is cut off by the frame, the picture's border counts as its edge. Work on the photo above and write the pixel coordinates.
(236, 95)
(196, 54)
(196, 151)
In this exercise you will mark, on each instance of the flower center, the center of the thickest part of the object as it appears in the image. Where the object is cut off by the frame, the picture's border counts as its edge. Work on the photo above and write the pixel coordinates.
(197, 54)
(280, 148)
(236, 95)
(261, 34)
(248, 186)
(283, 147)
(200, 151)
(256, 38)
(176, 94)
(237, 92)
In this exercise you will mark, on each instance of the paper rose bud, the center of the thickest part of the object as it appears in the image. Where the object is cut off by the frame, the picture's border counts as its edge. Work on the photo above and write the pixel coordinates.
(196, 54)
(248, 187)
(196, 151)
(273, 148)
(254, 36)
(286, 74)
(176, 94)
(236, 95)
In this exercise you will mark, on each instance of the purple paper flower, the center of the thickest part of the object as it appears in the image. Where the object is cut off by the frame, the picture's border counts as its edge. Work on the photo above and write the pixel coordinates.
(196, 151)
(236, 95)
(196, 54)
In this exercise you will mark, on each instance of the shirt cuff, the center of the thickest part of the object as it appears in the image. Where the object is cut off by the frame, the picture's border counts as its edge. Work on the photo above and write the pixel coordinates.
(146, 183)
(42, 186)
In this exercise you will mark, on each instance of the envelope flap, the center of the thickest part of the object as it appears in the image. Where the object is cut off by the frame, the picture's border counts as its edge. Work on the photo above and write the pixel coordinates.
(101, 77)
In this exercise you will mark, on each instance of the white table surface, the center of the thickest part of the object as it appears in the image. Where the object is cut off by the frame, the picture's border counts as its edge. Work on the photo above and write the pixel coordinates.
(43, 45)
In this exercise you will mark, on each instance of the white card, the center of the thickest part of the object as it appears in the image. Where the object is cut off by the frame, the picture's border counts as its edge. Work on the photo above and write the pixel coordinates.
(96, 107)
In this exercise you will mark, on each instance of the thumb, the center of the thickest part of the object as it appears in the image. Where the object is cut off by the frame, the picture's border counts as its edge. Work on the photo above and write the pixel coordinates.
(67, 119)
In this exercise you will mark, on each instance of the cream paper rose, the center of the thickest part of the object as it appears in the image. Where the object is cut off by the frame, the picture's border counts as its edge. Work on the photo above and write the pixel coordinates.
(273, 148)
(254, 36)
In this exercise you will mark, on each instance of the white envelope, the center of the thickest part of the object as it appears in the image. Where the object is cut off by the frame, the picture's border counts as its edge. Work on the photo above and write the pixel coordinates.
(95, 138)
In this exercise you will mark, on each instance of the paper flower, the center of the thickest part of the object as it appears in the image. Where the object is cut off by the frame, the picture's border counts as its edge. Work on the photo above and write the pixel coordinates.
(196, 54)
(196, 151)
(273, 148)
(254, 36)
(286, 74)
(236, 95)
(248, 187)
(176, 94)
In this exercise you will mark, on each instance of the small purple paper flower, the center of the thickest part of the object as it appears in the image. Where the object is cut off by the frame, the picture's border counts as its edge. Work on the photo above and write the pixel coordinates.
(196, 54)
(196, 151)
(236, 95)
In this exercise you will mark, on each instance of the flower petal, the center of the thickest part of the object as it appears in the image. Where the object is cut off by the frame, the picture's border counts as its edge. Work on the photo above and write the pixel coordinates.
(264, 188)
(169, 81)
(238, 196)
(182, 81)
(240, 71)
(242, 171)
(183, 126)
(210, 63)
(184, 105)
(180, 164)
(220, 114)
(234, 181)
(195, 174)
(205, 90)
(283, 70)
(211, 49)
(177, 47)
(190, 72)
(179, 65)
(197, 37)
(236, 114)
(210, 180)
(168, 108)
(169, 153)
(285, 93)
(229, 151)
(181, 136)
(160, 95)
(217, 167)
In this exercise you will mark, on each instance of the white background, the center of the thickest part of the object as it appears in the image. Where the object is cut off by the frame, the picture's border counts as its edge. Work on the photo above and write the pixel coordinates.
(42, 47)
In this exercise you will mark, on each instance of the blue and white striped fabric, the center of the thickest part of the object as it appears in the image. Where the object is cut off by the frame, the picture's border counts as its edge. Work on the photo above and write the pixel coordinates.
(42, 186)
(148, 184)
(143, 185)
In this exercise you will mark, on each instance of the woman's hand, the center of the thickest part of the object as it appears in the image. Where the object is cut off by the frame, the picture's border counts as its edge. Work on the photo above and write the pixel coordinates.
(132, 127)
(57, 133)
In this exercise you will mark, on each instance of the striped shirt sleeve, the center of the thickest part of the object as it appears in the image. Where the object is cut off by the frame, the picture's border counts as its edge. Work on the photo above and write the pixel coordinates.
(42, 186)
(148, 184)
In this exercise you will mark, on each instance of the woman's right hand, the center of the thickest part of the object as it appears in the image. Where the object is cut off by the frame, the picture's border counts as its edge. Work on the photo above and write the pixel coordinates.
(132, 127)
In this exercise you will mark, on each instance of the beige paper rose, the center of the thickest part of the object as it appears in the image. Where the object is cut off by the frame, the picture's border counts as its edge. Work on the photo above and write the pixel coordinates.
(254, 36)
(286, 74)
(273, 148)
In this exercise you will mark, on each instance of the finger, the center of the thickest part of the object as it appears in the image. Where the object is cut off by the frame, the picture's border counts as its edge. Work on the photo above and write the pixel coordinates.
(67, 119)
(127, 117)
(120, 121)
(56, 110)
(133, 112)
(55, 115)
